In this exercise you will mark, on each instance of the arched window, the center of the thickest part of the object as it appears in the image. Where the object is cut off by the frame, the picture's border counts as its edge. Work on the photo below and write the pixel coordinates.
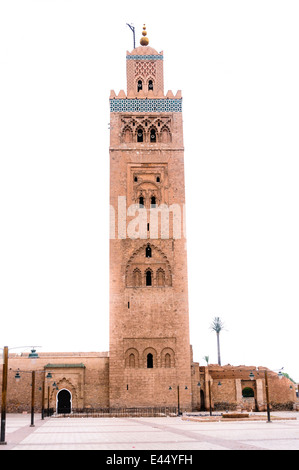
(160, 278)
(165, 135)
(127, 135)
(148, 252)
(141, 201)
(153, 135)
(167, 360)
(137, 278)
(150, 361)
(132, 361)
(140, 135)
(148, 278)
(153, 201)
(150, 85)
(139, 85)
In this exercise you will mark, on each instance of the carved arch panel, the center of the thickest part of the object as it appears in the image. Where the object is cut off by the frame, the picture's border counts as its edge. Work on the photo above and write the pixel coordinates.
(140, 264)
(132, 359)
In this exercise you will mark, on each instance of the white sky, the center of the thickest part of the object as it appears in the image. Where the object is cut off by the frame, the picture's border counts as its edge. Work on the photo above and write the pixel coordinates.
(236, 63)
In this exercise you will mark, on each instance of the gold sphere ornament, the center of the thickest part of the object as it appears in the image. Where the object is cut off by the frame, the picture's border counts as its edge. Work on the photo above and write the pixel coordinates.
(144, 41)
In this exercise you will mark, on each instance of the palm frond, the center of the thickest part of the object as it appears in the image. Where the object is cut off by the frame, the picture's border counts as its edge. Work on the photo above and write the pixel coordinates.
(217, 325)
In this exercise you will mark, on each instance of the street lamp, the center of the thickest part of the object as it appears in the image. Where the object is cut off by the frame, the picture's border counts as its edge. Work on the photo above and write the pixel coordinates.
(17, 376)
(33, 356)
(48, 378)
(280, 375)
(4, 394)
(210, 394)
(178, 390)
(33, 374)
(210, 397)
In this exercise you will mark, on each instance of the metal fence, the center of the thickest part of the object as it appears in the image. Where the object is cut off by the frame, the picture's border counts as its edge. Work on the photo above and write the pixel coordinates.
(120, 412)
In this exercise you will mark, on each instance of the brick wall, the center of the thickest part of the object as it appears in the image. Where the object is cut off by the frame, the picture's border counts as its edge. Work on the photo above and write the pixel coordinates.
(227, 383)
(86, 376)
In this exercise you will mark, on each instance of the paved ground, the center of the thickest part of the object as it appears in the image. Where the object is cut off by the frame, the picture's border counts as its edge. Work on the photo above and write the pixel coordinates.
(133, 434)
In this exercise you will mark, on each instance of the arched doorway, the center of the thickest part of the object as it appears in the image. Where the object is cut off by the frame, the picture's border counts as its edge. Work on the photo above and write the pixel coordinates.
(248, 392)
(64, 402)
(249, 397)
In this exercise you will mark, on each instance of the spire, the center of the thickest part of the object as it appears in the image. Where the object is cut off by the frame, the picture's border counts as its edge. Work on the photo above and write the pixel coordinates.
(144, 41)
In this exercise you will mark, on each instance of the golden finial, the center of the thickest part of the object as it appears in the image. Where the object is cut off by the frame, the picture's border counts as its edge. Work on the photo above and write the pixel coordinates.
(144, 41)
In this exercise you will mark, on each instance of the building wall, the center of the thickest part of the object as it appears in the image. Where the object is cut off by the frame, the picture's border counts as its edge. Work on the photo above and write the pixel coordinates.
(84, 375)
(228, 382)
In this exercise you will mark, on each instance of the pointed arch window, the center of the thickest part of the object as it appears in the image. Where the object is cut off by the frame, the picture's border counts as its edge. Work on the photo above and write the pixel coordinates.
(148, 278)
(150, 85)
(127, 135)
(137, 278)
(153, 201)
(165, 135)
(148, 252)
(160, 278)
(140, 135)
(139, 85)
(153, 135)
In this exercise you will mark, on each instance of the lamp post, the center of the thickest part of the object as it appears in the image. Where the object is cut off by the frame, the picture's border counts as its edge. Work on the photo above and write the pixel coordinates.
(251, 375)
(210, 394)
(49, 377)
(210, 397)
(178, 393)
(33, 376)
(33, 355)
(4, 395)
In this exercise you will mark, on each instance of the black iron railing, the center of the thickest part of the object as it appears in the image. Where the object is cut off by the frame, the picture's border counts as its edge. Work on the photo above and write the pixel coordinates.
(121, 412)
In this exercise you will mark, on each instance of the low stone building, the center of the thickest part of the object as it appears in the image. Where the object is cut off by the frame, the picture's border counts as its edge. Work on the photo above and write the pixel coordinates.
(77, 381)
(240, 388)
(80, 382)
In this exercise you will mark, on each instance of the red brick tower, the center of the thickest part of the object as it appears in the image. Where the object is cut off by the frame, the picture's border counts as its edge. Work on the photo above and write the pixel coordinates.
(149, 319)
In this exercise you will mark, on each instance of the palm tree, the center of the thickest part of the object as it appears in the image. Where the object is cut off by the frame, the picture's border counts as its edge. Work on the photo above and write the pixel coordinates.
(217, 325)
(206, 358)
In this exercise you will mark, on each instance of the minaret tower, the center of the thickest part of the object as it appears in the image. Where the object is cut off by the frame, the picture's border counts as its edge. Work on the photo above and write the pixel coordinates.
(149, 319)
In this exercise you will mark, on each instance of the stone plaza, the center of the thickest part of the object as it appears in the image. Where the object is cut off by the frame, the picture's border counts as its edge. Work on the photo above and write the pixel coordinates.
(175, 434)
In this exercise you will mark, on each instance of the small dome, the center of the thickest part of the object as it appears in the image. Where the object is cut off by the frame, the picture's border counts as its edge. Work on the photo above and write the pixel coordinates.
(144, 50)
